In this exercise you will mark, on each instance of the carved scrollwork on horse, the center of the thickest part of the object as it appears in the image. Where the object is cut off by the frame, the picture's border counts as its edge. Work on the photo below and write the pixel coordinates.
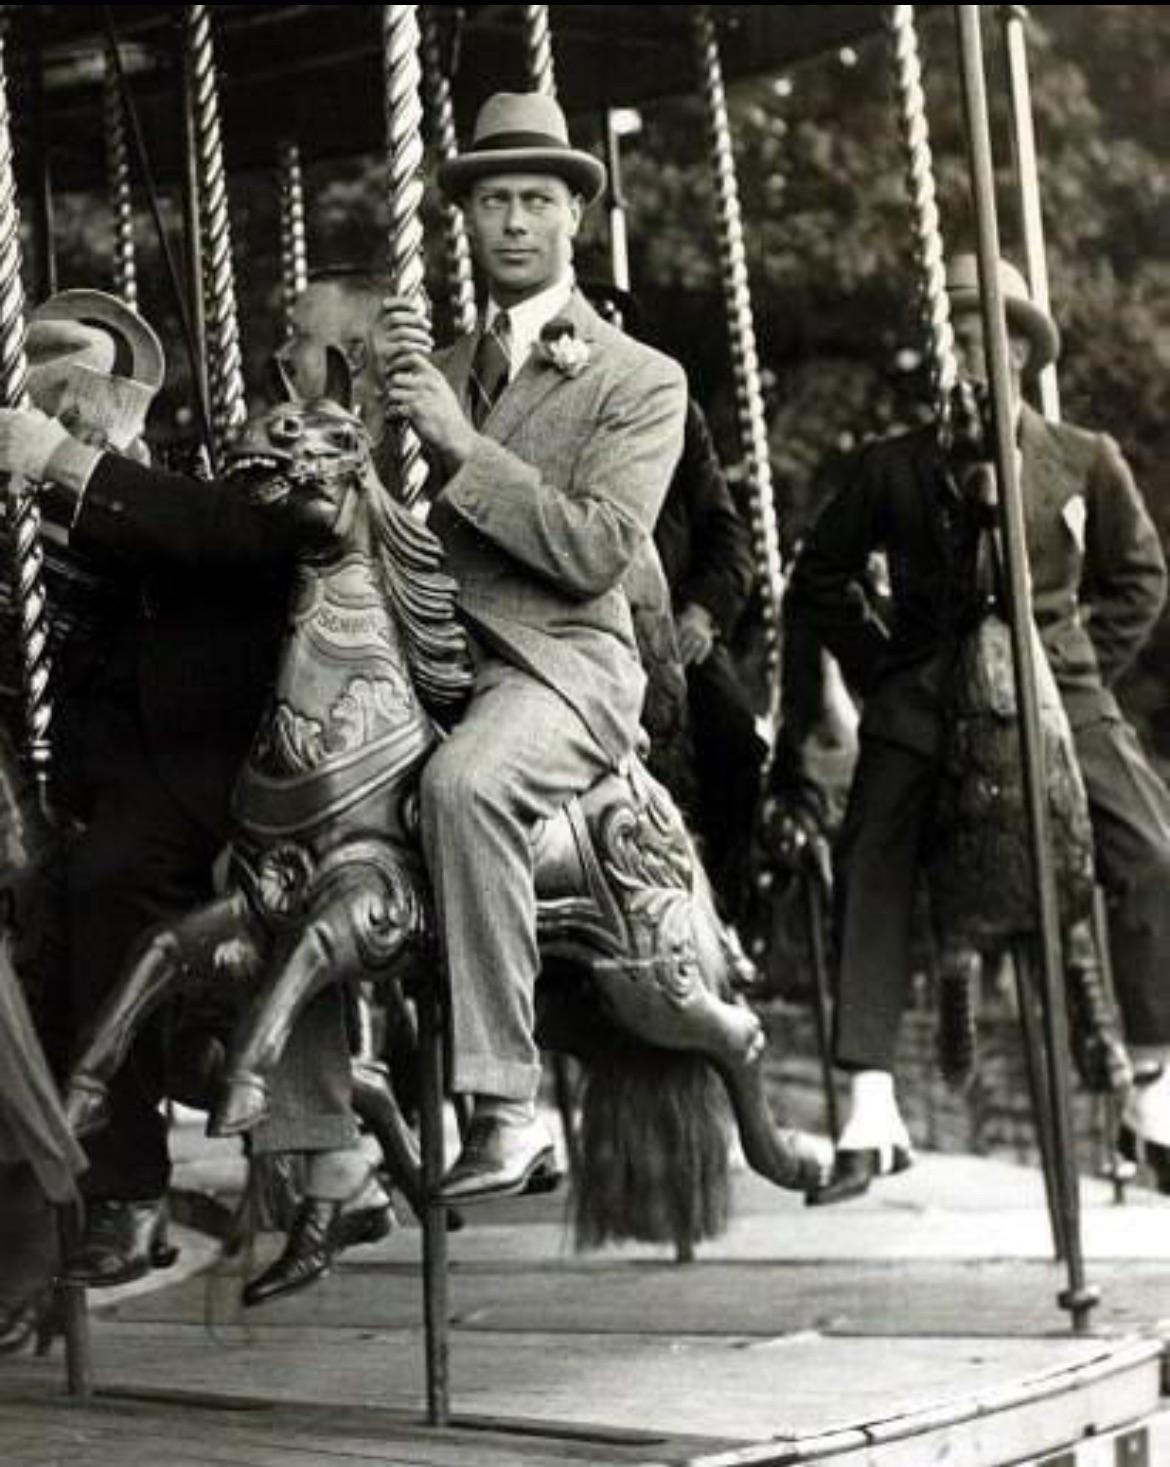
(326, 882)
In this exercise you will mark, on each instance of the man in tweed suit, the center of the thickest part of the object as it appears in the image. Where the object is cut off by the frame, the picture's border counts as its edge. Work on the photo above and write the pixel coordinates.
(554, 438)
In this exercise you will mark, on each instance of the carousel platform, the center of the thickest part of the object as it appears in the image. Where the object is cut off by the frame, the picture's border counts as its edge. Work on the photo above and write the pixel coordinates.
(916, 1326)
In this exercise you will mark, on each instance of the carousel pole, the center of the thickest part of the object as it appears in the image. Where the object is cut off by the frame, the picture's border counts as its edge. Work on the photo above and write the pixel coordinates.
(125, 270)
(930, 280)
(753, 428)
(538, 50)
(225, 361)
(28, 577)
(1078, 1299)
(460, 279)
(44, 220)
(193, 240)
(1028, 184)
(616, 204)
(401, 40)
(294, 250)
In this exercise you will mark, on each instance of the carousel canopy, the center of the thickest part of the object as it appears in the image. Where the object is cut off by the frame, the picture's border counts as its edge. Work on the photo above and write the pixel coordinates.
(314, 72)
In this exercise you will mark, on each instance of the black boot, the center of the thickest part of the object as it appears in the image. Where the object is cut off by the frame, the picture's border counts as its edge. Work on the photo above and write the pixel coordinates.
(121, 1242)
(308, 1253)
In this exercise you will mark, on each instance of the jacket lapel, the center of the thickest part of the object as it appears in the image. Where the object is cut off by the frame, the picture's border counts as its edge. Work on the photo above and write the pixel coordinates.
(537, 379)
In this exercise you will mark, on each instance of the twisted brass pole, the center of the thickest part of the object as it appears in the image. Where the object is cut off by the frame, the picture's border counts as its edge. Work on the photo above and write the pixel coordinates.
(930, 281)
(538, 50)
(125, 268)
(457, 250)
(24, 516)
(225, 360)
(294, 249)
(404, 155)
(749, 397)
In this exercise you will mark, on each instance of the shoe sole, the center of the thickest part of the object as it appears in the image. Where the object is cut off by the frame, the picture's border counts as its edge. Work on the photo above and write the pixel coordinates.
(541, 1177)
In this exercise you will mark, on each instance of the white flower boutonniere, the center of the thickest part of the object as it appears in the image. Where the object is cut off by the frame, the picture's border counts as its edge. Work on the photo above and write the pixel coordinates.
(560, 347)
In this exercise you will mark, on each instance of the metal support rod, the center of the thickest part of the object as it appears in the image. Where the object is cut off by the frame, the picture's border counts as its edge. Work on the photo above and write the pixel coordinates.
(225, 360)
(616, 205)
(1032, 1036)
(1077, 1299)
(753, 428)
(436, 1310)
(404, 156)
(294, 250)
(1028, 184)
(125, 266)
(24, 516)
(457, 249)
(74, 1315)
(930, 283)
(538, 50)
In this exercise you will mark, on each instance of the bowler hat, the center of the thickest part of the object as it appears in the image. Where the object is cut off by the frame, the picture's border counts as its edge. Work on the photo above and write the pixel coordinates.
(1022, 314)
(521, 132)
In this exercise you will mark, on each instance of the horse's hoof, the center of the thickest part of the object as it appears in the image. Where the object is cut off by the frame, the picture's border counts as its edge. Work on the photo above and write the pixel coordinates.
(244, 1105)
(87, 1107)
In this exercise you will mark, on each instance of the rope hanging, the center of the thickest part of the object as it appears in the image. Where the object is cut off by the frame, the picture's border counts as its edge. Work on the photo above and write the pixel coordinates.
(457, 251)
(225, 360)
(538, 50)
(24, 517)
(294, 249)
(753, 430)
(125, 270)
(404, 156)
(930, 285)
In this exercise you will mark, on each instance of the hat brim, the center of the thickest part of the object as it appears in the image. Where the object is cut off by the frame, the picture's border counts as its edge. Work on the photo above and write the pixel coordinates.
(147, 363)
(581, 171)
(1040, 329)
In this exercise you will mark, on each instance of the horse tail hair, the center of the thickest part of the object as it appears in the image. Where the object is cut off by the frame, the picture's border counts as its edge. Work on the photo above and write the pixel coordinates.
(653, 1148)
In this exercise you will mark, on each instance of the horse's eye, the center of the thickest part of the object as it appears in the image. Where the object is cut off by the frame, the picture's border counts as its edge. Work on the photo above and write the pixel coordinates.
(288, 426)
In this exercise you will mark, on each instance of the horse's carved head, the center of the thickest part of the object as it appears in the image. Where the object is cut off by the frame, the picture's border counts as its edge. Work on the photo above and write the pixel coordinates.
(308, 463)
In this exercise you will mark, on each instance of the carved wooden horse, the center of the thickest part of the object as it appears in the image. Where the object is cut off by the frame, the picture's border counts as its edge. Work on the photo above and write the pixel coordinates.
(326, 881)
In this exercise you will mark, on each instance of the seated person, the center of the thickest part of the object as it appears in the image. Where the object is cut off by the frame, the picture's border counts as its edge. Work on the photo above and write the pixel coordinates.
(553, 438)
(1098, 585)
(157, 706)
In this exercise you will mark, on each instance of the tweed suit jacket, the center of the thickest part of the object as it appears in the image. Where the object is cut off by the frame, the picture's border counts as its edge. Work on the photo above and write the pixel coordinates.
(556, 505)
(1098, 574)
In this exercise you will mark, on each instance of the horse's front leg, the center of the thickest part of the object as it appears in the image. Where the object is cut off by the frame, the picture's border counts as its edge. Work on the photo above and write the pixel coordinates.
(220, 935)
(356, 929)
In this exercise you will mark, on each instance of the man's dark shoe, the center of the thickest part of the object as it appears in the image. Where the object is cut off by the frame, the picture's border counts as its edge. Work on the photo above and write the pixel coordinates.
(307, 1257)
(122, 1241)
(501, 1159)
(853, 1171)
(363, 1225)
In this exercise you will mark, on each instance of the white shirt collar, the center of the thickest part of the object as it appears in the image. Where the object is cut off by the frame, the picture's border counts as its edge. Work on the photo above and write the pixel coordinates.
(530, 317)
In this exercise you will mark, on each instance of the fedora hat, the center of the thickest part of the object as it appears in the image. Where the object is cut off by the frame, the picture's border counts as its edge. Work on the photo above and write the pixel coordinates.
(89, 328)
(1022, 315)
(521, 132)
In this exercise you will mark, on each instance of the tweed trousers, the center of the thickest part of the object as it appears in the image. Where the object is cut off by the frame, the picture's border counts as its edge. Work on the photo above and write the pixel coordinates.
(887, 821)
(519, 753)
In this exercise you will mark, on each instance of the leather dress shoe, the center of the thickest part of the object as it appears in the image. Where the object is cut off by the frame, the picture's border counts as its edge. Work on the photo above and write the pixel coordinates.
(501, 1159)
(307, 1257)
(362, 1225)
(121, 1242)
(853, 1171)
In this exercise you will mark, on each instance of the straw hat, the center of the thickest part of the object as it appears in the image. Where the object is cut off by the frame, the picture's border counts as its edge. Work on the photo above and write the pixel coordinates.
(1037, 325)
(521, 132)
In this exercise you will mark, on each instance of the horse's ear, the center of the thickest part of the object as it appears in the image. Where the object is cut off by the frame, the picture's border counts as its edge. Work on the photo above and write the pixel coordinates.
(280, 382)
(338, 378)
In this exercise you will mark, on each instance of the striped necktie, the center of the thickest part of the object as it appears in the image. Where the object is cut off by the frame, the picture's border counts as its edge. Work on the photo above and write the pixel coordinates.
(490, 367)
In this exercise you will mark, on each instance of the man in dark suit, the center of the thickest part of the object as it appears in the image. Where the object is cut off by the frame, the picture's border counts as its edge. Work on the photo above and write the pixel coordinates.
(554, 437)
(159, 699)
(1098, 585)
